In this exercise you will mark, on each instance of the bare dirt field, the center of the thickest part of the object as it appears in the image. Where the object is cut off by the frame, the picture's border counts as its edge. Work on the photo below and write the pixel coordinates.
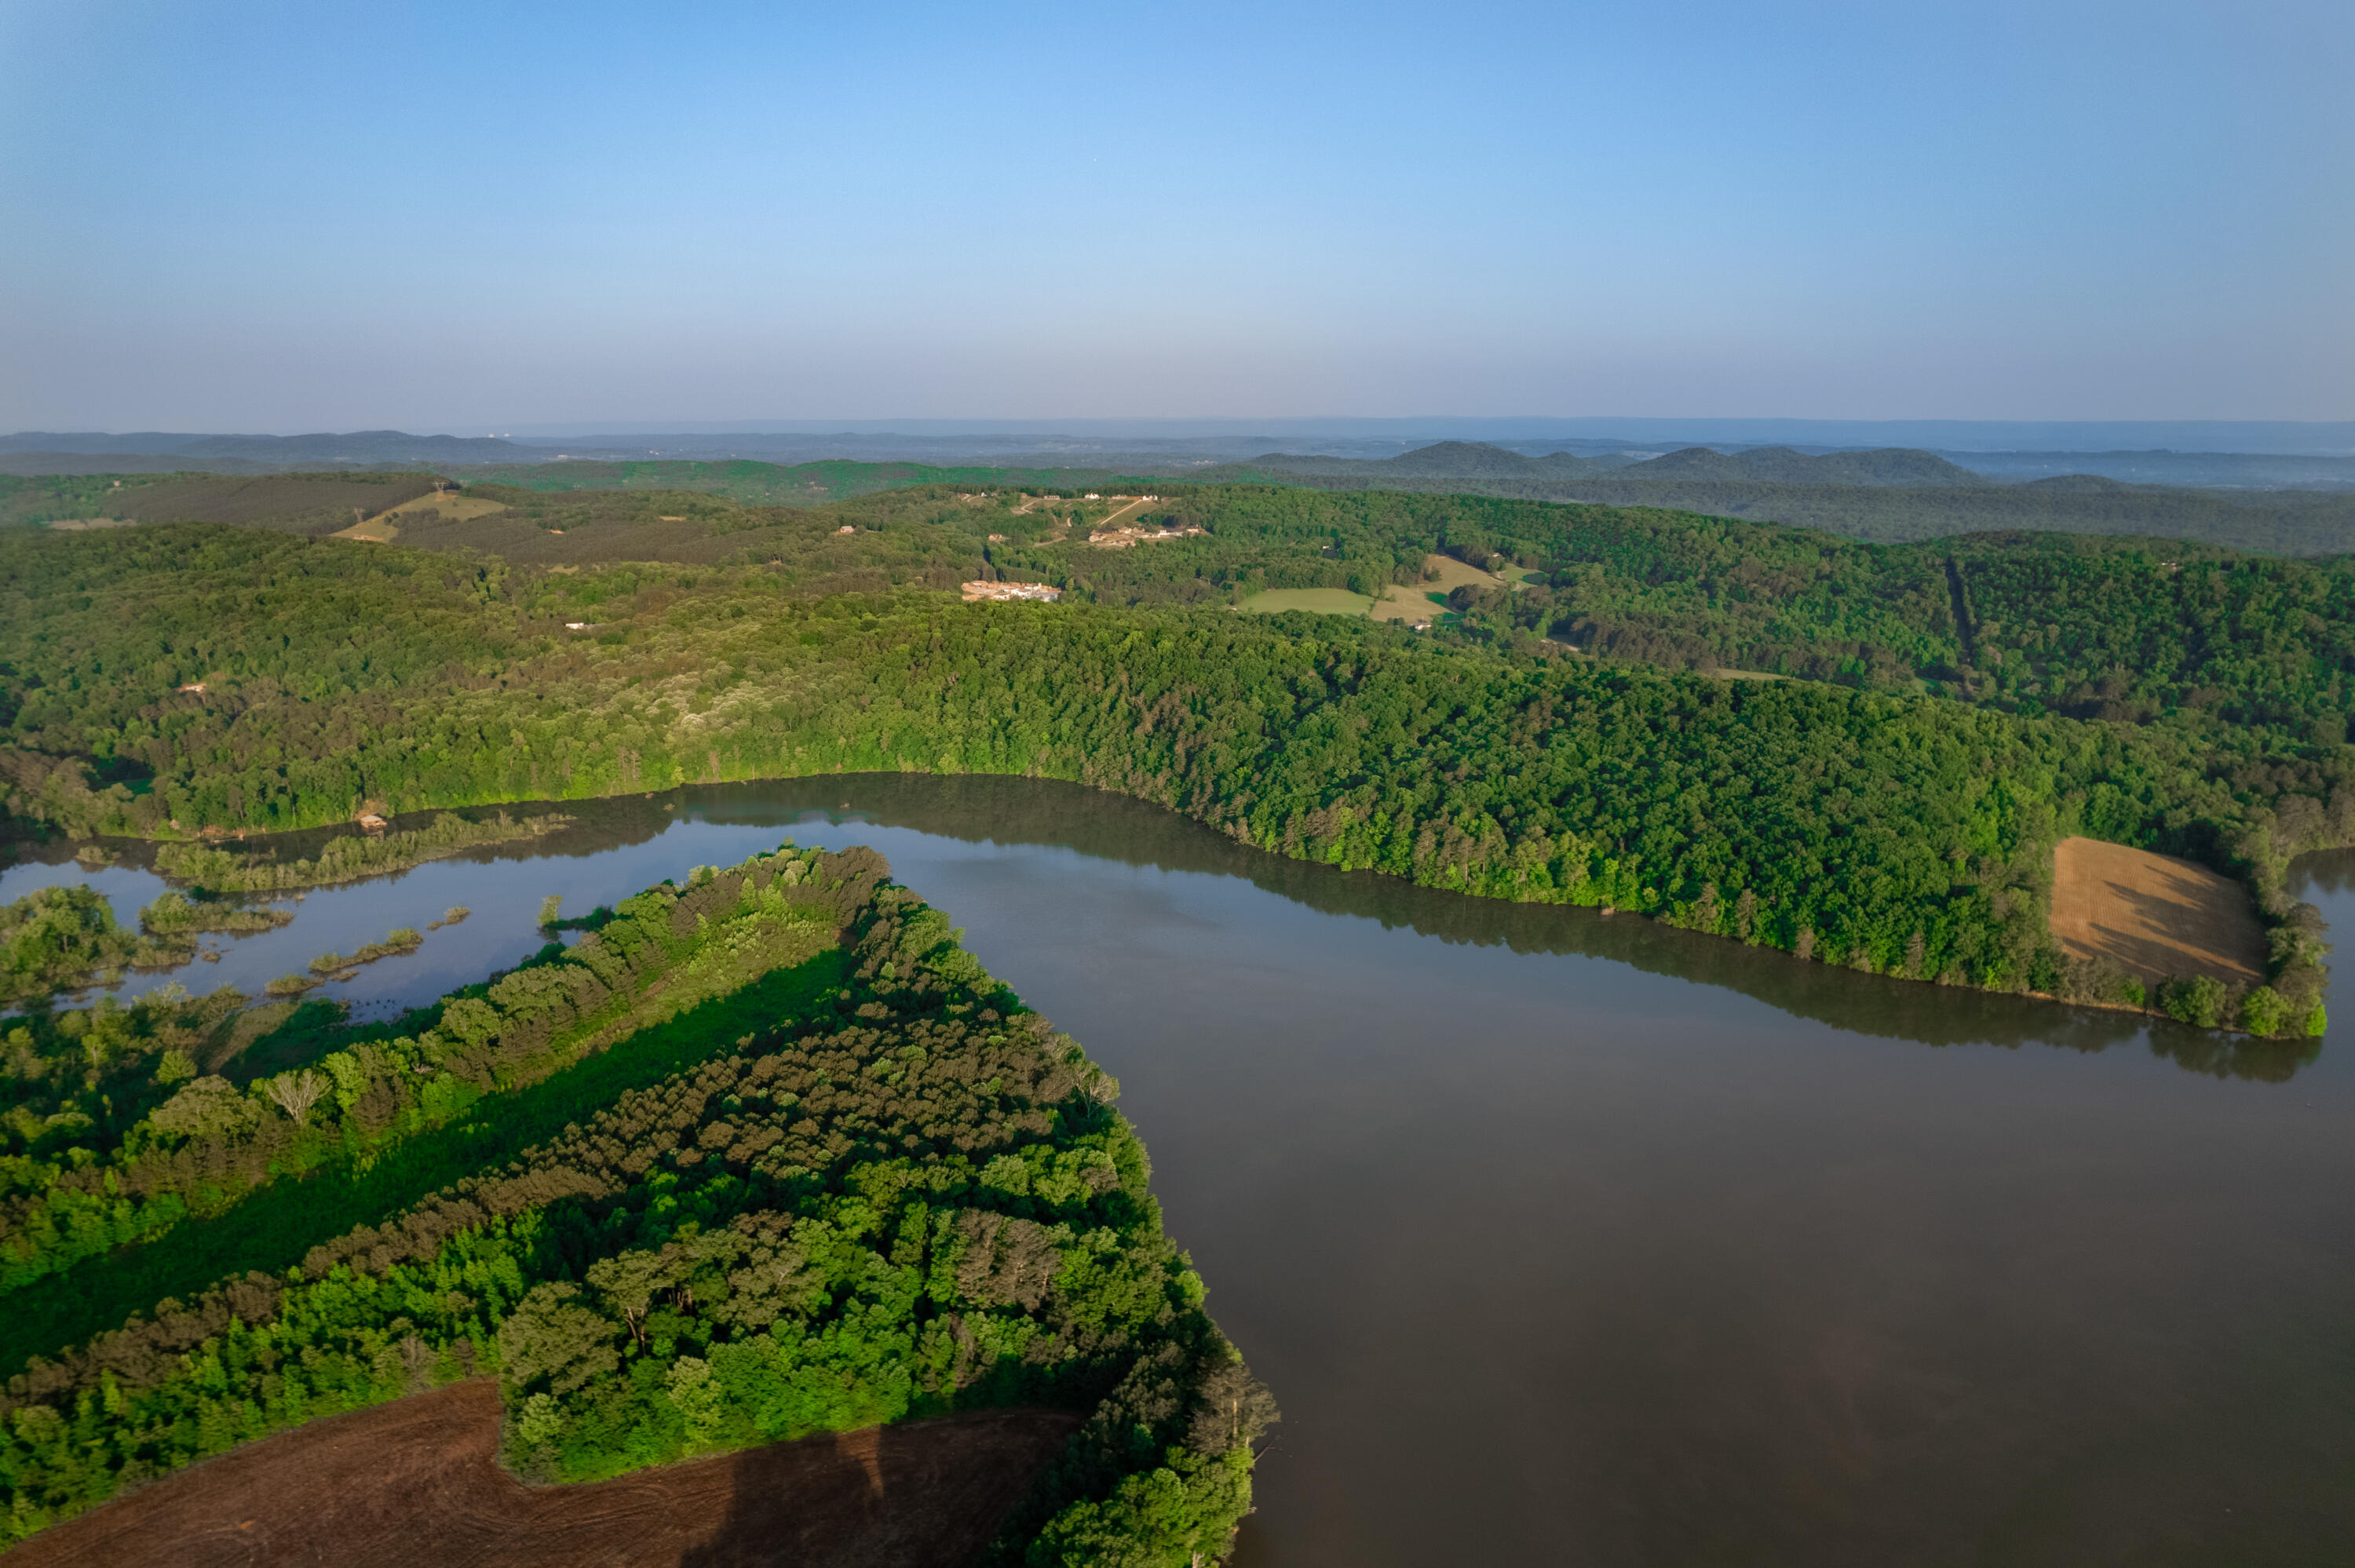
(416, 1482)
(2153, 915)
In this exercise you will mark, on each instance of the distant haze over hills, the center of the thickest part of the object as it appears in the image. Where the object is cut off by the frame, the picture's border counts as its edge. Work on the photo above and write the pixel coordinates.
(2281, 438)
(1883, 494)
(358, 446)
(2269, 436)
(1778, 465)
(2242, 455)
(1781, 465)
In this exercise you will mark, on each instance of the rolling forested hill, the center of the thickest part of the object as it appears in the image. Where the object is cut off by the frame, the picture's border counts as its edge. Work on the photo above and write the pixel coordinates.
(768, 1154)
(1886, 496)
(308, 503)
(351, 447)
(2115, 628)
(322, 501)
(1779, 465)
(1945, 713)
(772, 484)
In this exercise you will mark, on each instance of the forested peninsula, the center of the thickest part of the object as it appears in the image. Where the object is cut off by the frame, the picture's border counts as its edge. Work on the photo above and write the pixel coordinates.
(767, 1154)
(1940, 715)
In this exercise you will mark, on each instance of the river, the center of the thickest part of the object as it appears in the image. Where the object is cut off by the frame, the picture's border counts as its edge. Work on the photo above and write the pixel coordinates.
(1569, 1239)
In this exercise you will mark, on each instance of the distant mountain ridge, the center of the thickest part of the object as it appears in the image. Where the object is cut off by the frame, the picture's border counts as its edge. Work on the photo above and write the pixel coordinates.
(1693, 456)
(1889, 495)
(1890, 466)
(2290, 521)
(356, 446)
(1903, 466)
(1443, 460)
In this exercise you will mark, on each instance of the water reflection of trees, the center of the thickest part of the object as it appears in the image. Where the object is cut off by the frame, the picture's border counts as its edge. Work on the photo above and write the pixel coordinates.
(982, 809)
(1117, 827)
(2326, 871)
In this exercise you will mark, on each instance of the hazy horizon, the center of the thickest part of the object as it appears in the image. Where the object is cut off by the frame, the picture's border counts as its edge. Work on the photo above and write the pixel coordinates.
(272, 217)
(2333, 438)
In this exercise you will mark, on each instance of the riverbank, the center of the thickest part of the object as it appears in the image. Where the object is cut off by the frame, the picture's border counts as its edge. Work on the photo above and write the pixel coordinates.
(351, 857)
(2079, 975)
(742, 1171)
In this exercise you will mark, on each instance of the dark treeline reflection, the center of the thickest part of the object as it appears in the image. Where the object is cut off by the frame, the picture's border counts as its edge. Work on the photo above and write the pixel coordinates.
(1117, 827)
(1014, 810)
(2326, 871)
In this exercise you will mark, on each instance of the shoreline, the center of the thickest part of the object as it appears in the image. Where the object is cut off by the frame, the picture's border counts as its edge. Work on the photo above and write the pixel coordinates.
(410, 819)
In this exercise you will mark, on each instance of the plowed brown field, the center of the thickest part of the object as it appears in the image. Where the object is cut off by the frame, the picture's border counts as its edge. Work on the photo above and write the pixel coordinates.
(2153, 915)
(416, 1482)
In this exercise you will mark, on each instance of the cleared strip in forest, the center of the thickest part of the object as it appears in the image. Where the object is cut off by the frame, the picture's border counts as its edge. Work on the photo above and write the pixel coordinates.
(1966, 631)
(272, 1229)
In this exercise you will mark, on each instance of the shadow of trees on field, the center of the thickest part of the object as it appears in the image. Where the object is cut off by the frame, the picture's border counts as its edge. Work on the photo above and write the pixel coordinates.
(920, 1492)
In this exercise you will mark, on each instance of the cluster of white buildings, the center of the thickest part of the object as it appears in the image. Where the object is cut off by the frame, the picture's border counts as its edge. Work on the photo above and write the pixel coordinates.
(1122, 538)
(976, 591)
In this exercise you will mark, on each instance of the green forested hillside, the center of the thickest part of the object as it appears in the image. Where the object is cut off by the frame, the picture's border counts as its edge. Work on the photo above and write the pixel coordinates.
(313, 502)
(2121, 628)
(2283, 522)
(110, 1184)
(923, 535)
(1887, 497)
(1490, 466)
(1888, 828)
(1888, 466)
(293, 503)
(868, 1187)
(767, 1154)
(773, 484)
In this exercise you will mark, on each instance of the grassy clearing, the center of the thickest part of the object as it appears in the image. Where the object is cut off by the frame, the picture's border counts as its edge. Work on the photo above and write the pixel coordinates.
(385, 526)
(456, 508)
(1442, 574)
(1427, 600)
(1417, 601)
(1319, 601)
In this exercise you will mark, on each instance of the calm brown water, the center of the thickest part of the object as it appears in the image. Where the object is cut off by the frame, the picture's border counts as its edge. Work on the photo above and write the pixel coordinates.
(1568, 1240)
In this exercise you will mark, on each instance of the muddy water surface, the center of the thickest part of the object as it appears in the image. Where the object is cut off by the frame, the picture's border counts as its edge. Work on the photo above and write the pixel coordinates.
(1572, 1240)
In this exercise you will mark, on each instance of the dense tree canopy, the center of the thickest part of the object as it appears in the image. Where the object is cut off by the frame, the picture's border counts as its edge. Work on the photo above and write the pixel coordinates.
(899, 1193)
(1880, 822)
(767, 1153)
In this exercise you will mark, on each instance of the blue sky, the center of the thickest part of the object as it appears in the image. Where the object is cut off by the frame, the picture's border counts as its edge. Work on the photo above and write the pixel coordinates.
(439, 217)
